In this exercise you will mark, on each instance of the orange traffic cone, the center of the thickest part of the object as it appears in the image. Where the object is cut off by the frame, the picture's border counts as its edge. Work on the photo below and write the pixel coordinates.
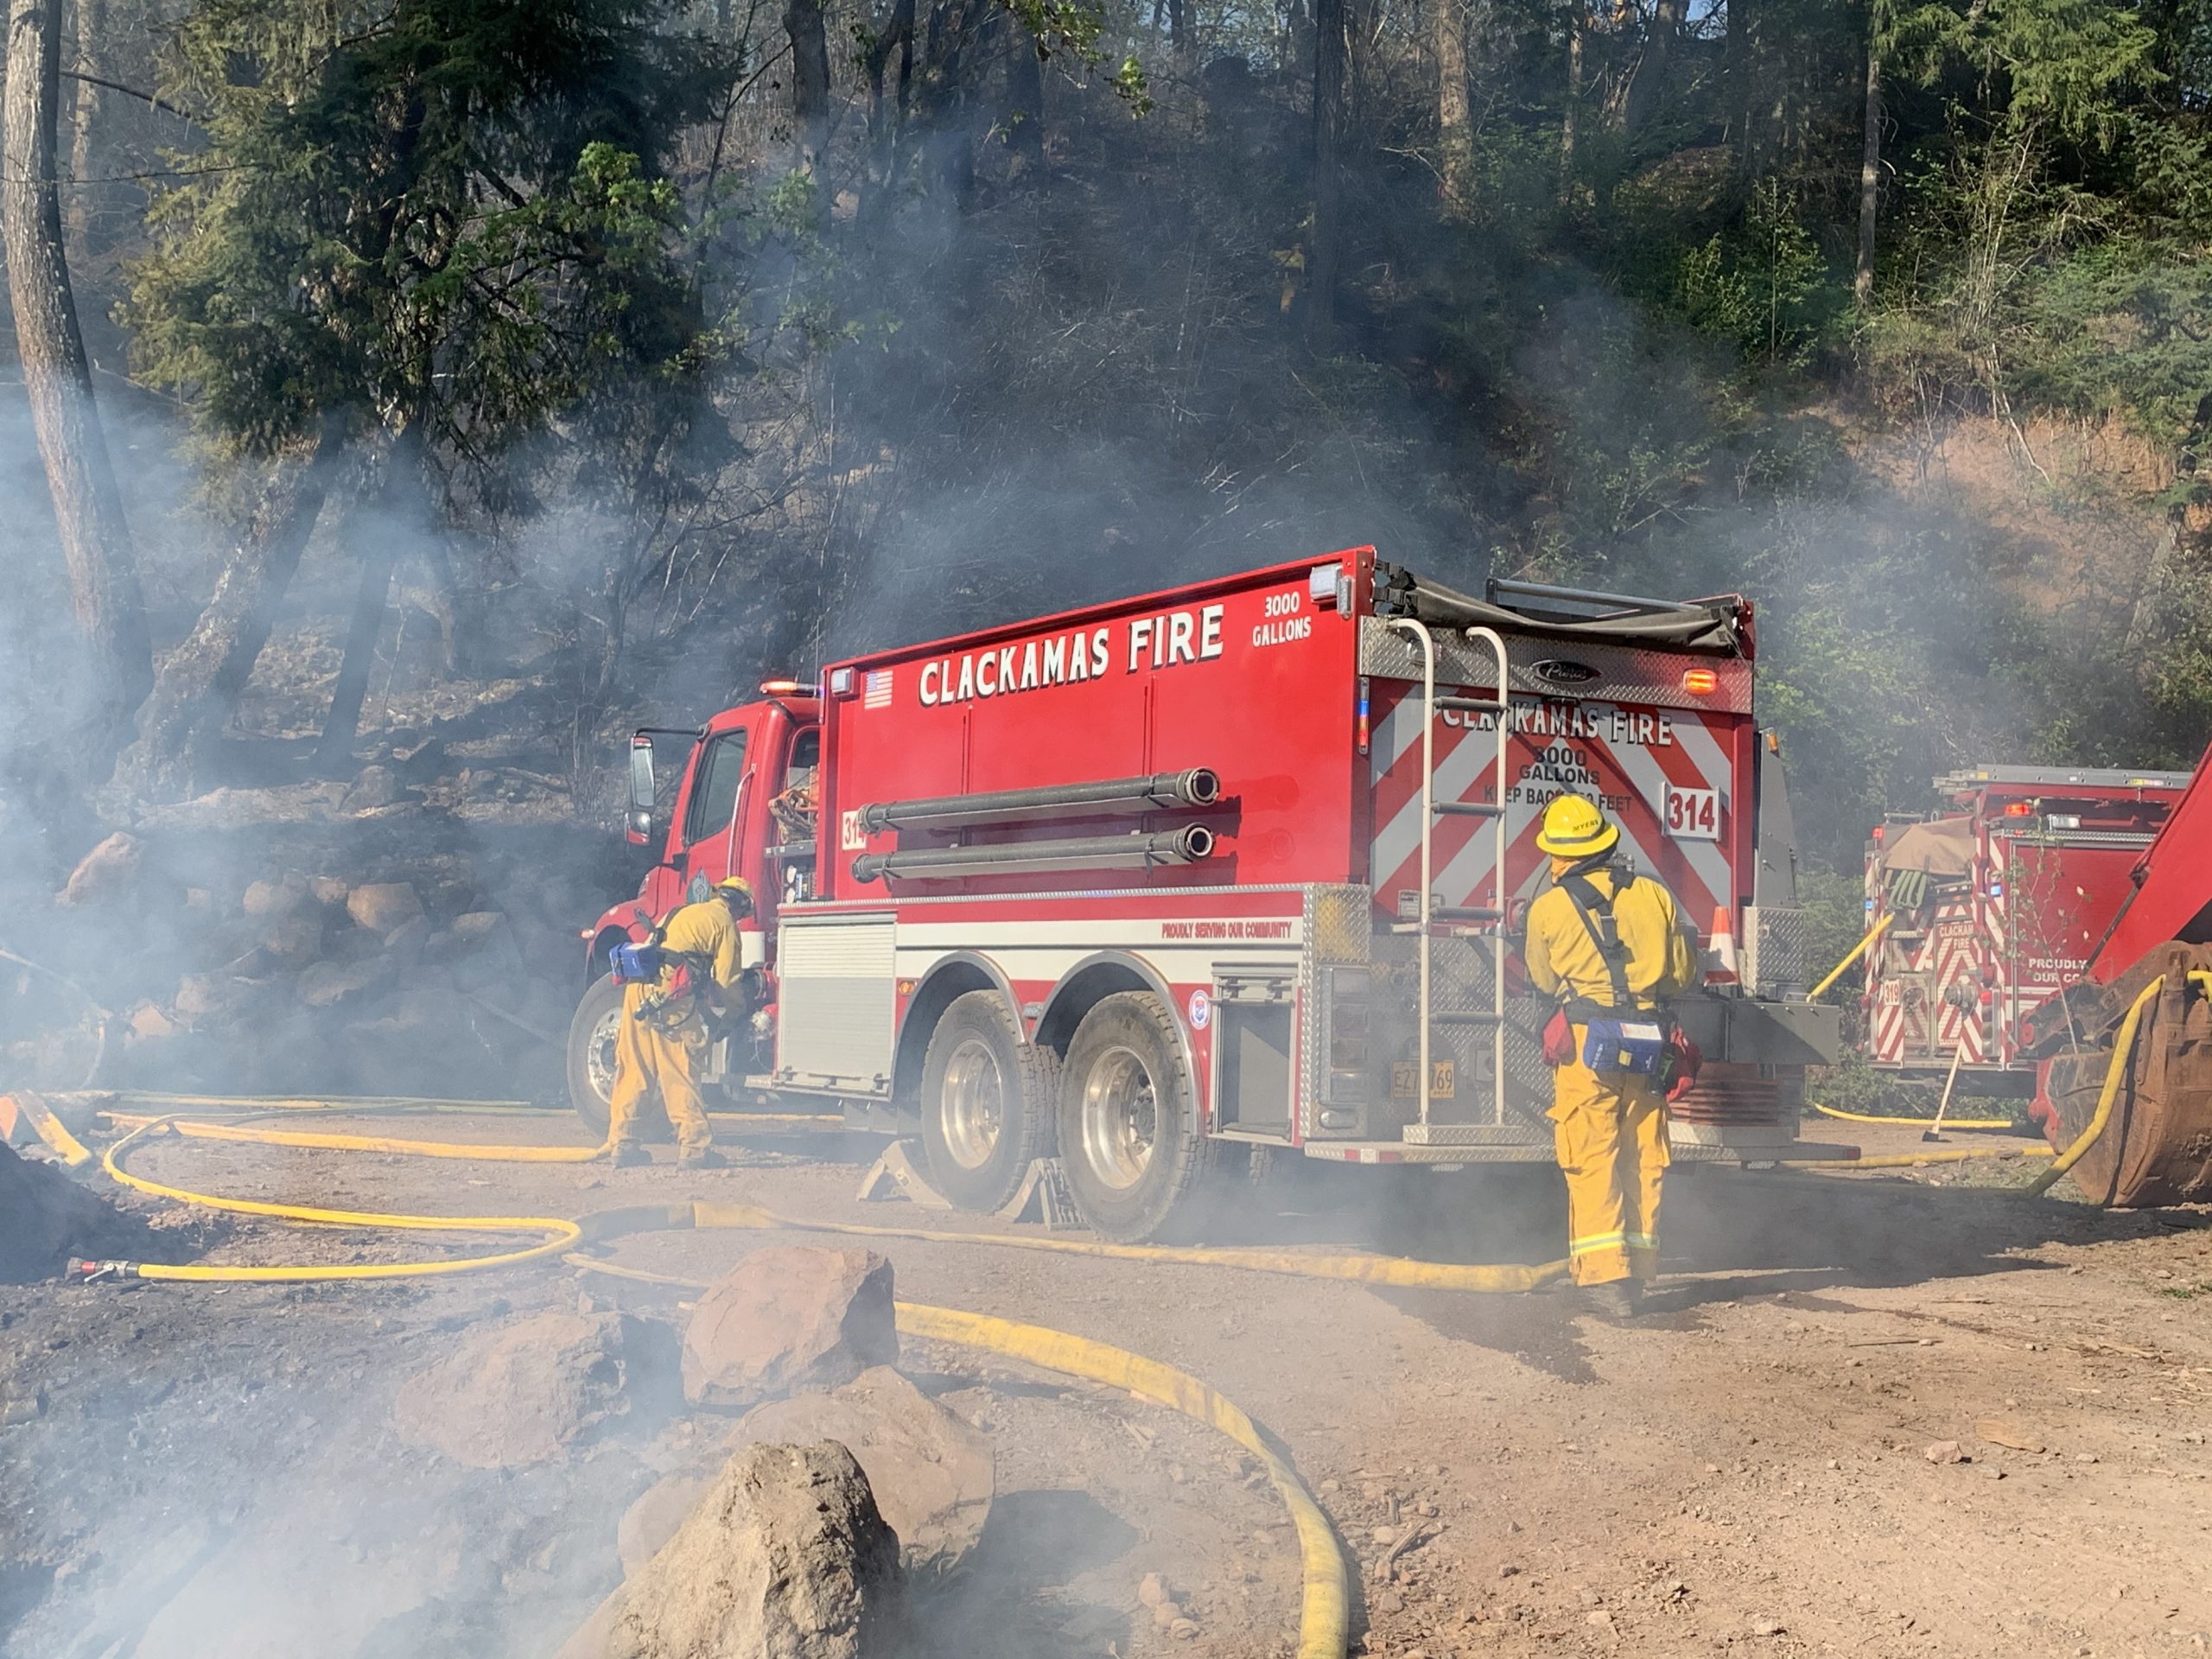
(1722, 970)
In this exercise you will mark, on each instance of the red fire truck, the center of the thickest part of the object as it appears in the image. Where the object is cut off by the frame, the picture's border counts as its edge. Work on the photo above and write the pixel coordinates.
(1238, 865)
(1991, 907)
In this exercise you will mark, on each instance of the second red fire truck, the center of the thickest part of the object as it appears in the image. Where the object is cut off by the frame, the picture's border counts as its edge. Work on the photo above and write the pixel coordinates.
(1146, 885)
(1991, 907)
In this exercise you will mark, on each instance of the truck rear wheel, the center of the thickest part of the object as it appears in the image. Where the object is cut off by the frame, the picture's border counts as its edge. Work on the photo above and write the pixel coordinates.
(1129, 1140)
(591, 1053)
(987, 1102)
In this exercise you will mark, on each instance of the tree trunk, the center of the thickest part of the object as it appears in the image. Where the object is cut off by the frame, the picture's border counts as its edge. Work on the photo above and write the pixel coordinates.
(1330, 117)
(1182, 37)
(1736, 61)
(809, 80)
(1870, 170)
(1025, 94)
(57, 377)
(201, 680)
(896, 39)
(1571, 118)
(86, 116)
(1455, 142)
(333, 752)
(1648, 84)
(375, 534)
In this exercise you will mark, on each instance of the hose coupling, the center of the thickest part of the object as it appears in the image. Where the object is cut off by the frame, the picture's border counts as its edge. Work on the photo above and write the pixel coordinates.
(95, 1272)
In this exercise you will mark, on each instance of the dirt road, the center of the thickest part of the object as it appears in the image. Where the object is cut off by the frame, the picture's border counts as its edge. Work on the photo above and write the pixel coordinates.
(1765, 1462)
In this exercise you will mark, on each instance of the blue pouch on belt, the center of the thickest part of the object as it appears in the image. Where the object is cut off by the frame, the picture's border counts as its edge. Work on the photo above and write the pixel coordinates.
(633, 964)
(1624, 1046)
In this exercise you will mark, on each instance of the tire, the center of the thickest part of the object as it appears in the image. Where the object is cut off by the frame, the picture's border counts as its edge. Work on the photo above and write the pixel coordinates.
(1129, 1140)
(591, 1052)
(986, 1102)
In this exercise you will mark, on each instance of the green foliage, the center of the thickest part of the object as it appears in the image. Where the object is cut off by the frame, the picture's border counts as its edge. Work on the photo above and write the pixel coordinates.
(1076, 28)
(445, 223)
(1762, 285)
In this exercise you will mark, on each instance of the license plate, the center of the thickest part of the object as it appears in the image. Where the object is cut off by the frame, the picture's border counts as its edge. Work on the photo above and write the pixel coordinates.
(1405, 1080)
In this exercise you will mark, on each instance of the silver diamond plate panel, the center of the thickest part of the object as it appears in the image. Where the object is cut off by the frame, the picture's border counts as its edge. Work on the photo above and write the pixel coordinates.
(1778, 950)
(1624, 673)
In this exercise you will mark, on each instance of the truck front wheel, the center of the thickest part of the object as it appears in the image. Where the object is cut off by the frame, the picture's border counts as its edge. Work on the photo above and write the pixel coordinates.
(591, 1052)
(987, 1102)
(1129, 1140)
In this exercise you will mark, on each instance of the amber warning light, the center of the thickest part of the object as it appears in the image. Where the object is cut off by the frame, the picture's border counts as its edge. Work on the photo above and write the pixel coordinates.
(1701, 682)
(2019, 808)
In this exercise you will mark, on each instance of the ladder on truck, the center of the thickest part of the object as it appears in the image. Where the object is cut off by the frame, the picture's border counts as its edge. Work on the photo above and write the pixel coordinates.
(1489, 921)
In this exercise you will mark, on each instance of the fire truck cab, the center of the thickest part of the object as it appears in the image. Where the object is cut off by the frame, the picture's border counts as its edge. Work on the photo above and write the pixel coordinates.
(1244, 864)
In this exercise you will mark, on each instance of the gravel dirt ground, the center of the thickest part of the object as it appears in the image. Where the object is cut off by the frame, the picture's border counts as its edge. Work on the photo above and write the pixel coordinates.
(1900, 1413)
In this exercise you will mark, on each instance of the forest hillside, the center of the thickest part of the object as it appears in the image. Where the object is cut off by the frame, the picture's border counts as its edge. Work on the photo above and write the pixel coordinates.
(583, 360)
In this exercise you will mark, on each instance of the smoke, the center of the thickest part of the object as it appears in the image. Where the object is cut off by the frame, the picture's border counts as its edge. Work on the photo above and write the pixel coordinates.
(1065, 384)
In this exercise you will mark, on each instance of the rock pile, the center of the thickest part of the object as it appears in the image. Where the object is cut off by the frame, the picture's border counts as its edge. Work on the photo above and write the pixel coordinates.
(390, 977)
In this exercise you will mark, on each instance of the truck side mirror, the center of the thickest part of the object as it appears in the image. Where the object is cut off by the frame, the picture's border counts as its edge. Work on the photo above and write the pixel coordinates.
(641, 824)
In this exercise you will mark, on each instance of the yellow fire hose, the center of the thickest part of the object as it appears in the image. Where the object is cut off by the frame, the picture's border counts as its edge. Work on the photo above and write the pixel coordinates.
(1851, 956)
(329, 1105)
(2123, 1051)
(1916, 1123)
(559, 1233)
(1908, 1159)
(1324, 1621)
(1357, 1267)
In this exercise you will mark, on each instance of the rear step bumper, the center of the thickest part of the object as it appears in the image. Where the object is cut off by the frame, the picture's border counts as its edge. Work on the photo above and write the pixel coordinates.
(1531, 1152)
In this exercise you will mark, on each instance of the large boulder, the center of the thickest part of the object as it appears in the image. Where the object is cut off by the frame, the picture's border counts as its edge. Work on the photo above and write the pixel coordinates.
(291, 941)
(334, 984)
(108, 871)
(277, 896)
(211, 999)
(930, 1471)
(650, 1521)
(785, 1558)
(523, 1392)
(384, 907)
(790, 1317)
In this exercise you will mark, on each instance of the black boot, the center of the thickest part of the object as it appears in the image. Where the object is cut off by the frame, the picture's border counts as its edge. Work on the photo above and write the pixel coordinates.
(627, 1153)
(1617, 1300)
(705, 1158)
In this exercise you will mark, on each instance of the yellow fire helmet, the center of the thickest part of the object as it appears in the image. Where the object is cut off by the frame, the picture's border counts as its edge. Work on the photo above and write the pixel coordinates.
(734, 886)
(1574, 828)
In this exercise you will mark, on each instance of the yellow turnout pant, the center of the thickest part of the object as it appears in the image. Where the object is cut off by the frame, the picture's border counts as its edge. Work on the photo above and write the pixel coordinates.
(1609, 1132)
(646, 1060)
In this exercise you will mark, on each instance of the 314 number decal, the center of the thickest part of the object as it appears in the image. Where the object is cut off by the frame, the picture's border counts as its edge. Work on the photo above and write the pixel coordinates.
(1693, 814)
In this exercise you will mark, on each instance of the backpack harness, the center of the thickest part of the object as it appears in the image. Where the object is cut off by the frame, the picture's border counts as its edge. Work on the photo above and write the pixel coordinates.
(1646, 1047)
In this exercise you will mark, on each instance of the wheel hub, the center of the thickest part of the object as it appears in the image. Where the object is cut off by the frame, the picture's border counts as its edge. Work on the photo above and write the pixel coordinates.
(973, 1103)
(1120, 1118)
(599, 1053)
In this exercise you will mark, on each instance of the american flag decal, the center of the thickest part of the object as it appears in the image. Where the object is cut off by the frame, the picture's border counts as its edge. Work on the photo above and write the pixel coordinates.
(876, 694)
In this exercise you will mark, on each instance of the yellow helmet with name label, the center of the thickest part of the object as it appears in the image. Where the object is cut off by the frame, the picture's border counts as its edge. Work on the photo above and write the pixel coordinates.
(1574, 828)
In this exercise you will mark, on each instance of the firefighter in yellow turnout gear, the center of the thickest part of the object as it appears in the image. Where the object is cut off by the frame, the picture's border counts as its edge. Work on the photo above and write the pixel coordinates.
(667, 1024)
(1623, 947)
